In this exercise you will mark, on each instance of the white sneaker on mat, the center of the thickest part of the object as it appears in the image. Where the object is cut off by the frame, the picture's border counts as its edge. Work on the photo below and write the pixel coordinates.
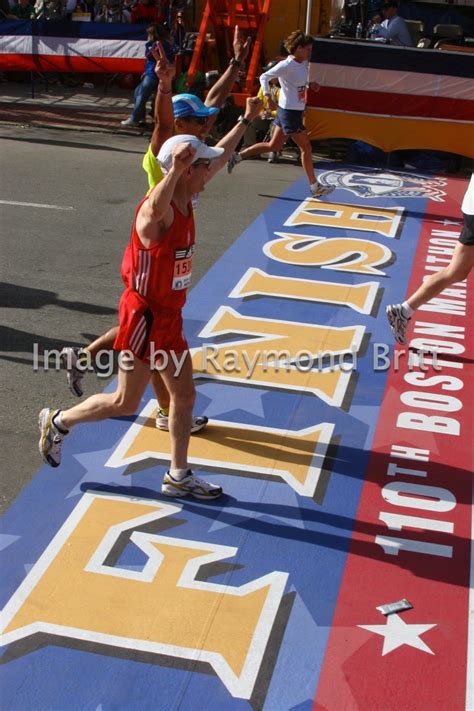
(191, 485)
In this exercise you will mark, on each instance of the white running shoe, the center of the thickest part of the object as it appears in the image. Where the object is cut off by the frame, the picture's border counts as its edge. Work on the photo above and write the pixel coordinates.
(189, 485)
(234, 160)
(74, 361)
(130, 122)
(318, 190)
(50, 438)
(398, 321)
(199, 422)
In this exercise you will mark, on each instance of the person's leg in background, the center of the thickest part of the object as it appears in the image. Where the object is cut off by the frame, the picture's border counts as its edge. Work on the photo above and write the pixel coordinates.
(275, 145)
(256, 132)
(304, 144)
(142, 93)
(458, 269)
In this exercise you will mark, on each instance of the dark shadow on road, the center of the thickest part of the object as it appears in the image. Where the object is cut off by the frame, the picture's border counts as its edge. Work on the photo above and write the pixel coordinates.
(25, 297)
(13, 340)
(73, 144)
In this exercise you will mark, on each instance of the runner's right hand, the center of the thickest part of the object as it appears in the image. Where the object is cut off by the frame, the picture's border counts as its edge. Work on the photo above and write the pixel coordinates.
(183, 156)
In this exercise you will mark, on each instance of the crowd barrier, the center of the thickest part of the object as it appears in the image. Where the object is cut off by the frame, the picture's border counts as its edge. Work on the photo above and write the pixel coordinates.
(392, 97)
(64, 46)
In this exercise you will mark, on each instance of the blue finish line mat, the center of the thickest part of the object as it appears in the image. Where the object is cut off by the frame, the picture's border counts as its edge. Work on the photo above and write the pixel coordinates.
(347, 470)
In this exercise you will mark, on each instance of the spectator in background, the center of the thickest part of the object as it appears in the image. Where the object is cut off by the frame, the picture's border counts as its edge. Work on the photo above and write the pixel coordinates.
(178, 32)
(22, 10)
(4, 13)
(126, 11)
(84, 6)
(146, 11)
(149, 80)
(394, 28)
(49, 9)
(108, 11)
(263, 124)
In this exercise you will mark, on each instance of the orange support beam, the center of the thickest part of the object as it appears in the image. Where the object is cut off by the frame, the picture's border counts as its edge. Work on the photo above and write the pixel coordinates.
(257, 48)
(200, 42)
(250, 15)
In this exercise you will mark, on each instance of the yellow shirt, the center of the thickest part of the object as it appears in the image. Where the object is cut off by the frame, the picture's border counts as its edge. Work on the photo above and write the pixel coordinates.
(152, 169)
(275, 93)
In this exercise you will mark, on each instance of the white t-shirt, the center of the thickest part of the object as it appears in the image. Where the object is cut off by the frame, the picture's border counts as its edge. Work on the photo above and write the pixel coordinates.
(468, 202)
(293, 78)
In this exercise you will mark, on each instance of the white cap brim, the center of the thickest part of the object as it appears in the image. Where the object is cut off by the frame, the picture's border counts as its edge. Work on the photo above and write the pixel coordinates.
(208, 152)
(203, 152)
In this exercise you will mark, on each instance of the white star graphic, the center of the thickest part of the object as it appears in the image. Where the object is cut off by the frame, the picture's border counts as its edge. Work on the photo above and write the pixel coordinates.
(397, 632)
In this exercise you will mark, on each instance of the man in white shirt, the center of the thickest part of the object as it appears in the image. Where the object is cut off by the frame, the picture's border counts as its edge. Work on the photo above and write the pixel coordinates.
(458, 269)
(394, 28)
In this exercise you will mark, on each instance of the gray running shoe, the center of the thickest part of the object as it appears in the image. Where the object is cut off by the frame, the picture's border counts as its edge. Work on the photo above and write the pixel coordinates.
(398, 321)
(50, 438)
(319, 190)
(191, 485)
(199, 422)
(234, 160)
(74, 361)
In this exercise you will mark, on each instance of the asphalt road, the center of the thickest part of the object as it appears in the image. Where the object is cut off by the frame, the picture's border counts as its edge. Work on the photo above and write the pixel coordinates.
(59, 282)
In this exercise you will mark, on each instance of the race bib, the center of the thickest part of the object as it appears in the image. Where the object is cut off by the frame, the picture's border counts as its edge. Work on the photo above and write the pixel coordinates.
(183, 268)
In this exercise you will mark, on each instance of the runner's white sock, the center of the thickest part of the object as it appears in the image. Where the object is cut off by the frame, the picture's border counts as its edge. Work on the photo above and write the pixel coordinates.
(58, 423)
(407, 309)
(178, 474)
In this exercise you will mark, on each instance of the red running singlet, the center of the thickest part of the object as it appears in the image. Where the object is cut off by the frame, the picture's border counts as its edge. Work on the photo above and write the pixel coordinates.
(162, 273)
(156, 281)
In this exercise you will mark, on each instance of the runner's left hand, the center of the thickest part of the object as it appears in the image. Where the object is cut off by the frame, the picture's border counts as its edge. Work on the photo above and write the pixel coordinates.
(241, 48)
(164, 70)
(253, 107)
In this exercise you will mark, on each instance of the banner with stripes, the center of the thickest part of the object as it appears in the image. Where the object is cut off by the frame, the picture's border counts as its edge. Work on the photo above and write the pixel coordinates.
(49, 46)
(392, 97)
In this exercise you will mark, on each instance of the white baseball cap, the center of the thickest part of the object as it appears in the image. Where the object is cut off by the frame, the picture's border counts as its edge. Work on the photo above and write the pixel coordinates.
(165, 156)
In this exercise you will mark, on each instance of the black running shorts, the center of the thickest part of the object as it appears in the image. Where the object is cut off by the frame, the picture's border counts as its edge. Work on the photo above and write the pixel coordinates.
(467, 234)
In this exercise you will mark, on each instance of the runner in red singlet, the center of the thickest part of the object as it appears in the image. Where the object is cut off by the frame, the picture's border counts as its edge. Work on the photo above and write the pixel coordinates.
(192, 118)
(160, 257)
(150, 308)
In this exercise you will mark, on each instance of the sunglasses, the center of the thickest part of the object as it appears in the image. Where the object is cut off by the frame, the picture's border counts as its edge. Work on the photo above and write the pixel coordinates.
(201, 120)
(202, 161)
